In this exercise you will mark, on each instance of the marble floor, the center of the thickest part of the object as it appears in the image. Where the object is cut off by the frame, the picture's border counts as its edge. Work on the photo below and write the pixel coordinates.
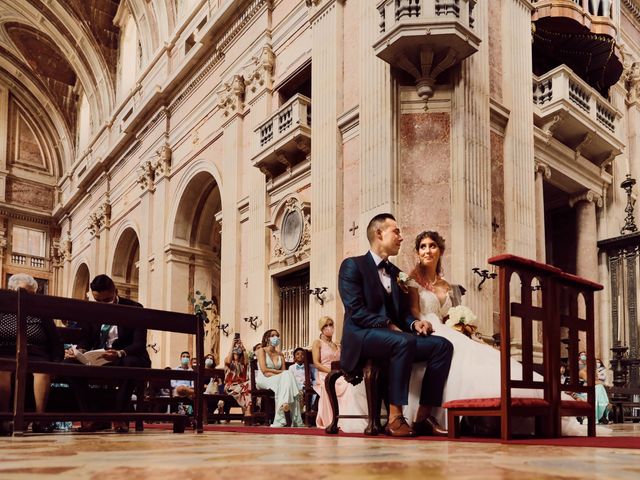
(219, 455)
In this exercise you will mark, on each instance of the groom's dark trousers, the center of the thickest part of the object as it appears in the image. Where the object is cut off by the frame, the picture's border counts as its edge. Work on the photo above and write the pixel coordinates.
(368, 311)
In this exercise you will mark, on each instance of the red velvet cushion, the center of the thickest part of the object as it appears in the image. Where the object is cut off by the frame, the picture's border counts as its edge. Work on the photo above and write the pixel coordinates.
(495, 403)
(576, 404)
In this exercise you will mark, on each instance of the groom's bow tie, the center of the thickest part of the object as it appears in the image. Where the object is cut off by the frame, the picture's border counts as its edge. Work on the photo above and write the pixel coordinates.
(386, 266)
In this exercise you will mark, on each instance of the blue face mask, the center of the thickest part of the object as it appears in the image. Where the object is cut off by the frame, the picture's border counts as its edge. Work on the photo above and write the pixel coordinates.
(184, 360)
(275, 341)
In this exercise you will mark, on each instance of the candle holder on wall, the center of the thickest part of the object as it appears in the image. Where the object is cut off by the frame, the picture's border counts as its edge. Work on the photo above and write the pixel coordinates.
(484, 274)
(318, 293)
(253, 322)
(224, 328)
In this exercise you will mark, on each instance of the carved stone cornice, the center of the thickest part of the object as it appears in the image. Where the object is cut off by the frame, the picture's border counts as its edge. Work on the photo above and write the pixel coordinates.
(633, 7)
(586, 196)
(543, 169)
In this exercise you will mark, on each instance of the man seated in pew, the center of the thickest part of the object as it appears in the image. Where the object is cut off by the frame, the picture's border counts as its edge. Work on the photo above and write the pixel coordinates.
(43, 344)
(125, 347)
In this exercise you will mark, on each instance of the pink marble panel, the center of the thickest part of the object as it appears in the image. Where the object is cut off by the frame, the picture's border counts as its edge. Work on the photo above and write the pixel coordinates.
(423, 177)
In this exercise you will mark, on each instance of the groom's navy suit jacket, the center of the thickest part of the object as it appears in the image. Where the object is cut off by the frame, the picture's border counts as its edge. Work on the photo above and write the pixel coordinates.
(365, 308)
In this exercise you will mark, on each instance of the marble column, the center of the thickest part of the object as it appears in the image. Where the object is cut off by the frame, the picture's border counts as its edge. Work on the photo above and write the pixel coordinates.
(542, 172)
(326, 155)
(519, 186)
(586, 248)
(378, 179)
(255, 303)
(231, 248)
(471, 175)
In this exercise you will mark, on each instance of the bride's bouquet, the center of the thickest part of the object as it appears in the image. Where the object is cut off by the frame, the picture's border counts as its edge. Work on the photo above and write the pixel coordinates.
(461, 318)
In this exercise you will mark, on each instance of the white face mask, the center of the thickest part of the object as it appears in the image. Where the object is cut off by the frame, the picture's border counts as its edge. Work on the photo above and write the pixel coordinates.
(208, 363)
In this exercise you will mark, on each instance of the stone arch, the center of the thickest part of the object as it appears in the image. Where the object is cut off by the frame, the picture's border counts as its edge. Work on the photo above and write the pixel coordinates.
(193, 253)
(124, 269)
(81, 281)
(196, 167)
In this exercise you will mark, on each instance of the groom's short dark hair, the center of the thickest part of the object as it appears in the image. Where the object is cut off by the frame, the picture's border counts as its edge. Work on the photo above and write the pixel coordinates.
(375, 223)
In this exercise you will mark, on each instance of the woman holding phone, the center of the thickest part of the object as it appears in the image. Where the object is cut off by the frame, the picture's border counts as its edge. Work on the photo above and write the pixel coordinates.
(236, 382)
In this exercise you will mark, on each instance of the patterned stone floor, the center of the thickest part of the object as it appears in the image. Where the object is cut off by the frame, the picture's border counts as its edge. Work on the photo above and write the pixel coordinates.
(160, 455)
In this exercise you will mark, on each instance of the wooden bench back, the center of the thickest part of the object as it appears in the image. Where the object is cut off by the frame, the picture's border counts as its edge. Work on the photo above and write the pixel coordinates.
(21, 303)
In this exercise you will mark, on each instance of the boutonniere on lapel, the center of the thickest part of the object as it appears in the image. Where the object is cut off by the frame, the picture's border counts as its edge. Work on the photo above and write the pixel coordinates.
(403, 281)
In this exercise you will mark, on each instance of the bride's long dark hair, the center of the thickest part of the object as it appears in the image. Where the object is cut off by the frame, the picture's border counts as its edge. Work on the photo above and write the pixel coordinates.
(419, 273)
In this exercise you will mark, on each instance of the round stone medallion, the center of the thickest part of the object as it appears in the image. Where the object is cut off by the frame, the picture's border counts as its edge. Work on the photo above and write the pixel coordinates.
(291, 230)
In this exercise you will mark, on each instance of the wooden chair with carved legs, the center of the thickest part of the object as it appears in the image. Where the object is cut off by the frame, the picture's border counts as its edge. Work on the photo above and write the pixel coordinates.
(372, 375)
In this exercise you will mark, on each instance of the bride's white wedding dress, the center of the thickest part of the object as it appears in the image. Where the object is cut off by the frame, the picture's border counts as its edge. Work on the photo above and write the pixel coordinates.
(475, 367)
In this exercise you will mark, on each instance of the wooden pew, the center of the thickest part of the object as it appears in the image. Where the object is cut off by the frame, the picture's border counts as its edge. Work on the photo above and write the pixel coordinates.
(22, 303)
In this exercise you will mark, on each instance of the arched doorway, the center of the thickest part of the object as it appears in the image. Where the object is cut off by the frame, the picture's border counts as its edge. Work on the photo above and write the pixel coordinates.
(124, 270)
(194, 259)
(81, 283)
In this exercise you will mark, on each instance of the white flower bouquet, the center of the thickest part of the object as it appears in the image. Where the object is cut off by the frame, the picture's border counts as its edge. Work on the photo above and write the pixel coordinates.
(461, 318)
(461, 314)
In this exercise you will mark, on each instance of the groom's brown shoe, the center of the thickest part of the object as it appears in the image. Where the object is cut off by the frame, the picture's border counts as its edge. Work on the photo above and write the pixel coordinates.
(429, 427)
(399, 428)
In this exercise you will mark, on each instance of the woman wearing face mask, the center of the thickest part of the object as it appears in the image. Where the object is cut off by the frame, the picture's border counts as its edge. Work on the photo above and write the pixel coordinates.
(272, 375)
(235, 376)
(325, 351)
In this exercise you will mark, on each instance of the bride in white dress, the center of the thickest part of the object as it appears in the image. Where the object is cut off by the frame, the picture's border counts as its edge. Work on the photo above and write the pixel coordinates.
(475, 367)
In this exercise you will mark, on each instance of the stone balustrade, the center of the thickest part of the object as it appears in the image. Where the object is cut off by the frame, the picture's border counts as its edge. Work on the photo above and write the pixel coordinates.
(567, 108)
(29, 261)
(284, 139)
(426, 37)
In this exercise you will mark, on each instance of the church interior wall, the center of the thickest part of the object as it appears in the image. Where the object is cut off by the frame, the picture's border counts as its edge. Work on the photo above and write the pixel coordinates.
(209, 126)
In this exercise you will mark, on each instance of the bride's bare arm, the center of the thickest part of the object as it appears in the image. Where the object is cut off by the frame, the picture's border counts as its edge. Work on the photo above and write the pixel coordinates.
(414, 302)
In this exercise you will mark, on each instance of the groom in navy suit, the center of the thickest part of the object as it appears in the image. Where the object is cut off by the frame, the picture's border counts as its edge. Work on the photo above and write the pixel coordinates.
(378, 324)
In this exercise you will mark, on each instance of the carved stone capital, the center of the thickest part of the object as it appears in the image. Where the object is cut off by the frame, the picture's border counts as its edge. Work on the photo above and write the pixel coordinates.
(259, 73)
(146, 176)
(586, 196)
(99, 219)
(543, 169)
(231, 97)
(632, 83)
(163, 162)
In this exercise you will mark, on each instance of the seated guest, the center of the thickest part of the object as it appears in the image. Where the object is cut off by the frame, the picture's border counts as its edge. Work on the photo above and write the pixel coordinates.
(125, 347)
(298, 369)
(236, 381)
(43, 344)
(183, 388)
(325, 351)
(272, 375)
